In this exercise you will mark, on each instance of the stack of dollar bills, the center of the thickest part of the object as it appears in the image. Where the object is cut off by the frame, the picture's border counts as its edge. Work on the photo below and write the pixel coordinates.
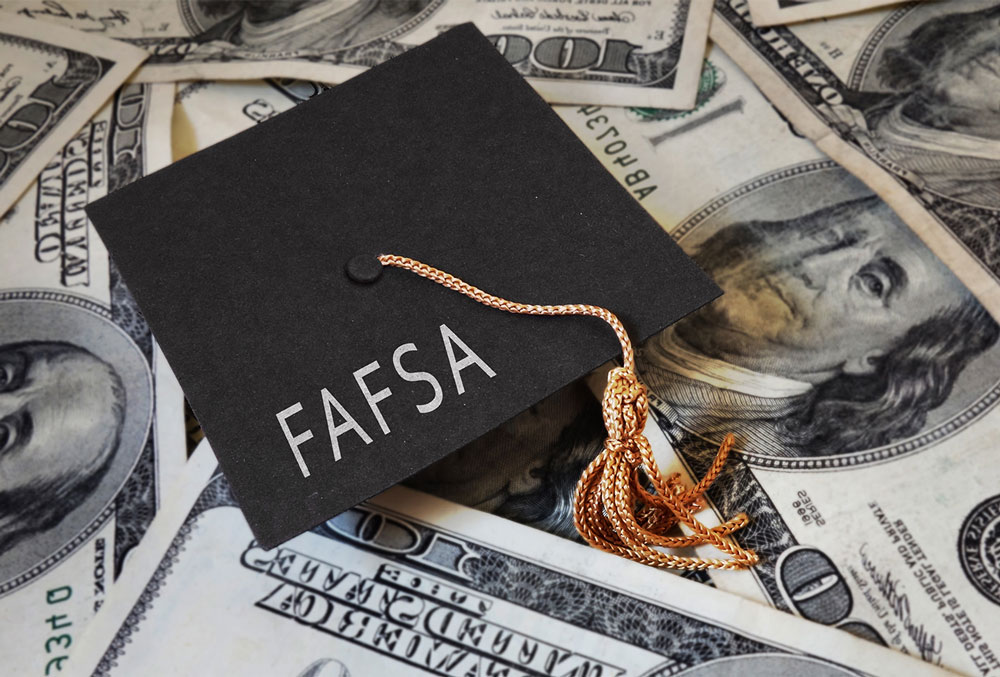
(834, 165)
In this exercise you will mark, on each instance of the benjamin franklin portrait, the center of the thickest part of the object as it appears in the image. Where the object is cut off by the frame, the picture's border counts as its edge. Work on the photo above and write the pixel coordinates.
(313, 25)
(61, 415)
(940, 120)
(839, 331)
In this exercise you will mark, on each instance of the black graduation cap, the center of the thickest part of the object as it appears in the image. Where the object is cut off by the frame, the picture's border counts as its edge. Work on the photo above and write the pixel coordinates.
(321, 379)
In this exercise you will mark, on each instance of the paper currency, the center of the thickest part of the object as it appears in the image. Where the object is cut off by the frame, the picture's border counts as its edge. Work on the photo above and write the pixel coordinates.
(411, 584)
(906, 100)
(771, 12)
(52, 80)
(635, 52)
(91, 419)
(208, 112)
(859, 375)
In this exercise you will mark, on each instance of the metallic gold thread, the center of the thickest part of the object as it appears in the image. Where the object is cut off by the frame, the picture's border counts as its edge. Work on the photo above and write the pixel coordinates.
(612, 508)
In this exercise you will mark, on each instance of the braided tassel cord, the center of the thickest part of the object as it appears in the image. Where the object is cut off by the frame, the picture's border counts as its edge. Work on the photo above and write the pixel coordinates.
(613, 510)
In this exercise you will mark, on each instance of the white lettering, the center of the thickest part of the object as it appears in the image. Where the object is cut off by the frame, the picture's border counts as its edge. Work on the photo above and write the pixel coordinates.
(348, 424)
(449, 337)
(416, 376)
(295, 441)
(373, 400)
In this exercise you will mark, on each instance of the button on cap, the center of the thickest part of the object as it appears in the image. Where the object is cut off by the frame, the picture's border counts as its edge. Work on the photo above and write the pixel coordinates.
(364, 268)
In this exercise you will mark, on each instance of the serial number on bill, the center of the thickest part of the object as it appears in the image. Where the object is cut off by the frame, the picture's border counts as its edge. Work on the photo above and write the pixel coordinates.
(612, 150)
(807, 510)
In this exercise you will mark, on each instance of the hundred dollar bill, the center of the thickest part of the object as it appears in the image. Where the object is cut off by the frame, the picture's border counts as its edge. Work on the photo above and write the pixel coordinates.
(771, 12)
(628, 52)
(859, 375)
(91, 418)
(409, 584)
(905, 99)
(52, 80)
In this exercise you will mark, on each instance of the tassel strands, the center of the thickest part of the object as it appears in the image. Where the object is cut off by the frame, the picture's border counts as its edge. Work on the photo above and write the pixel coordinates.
(613, 509)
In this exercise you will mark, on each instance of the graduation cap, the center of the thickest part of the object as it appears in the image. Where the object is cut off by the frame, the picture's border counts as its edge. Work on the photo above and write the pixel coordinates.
(322, 378)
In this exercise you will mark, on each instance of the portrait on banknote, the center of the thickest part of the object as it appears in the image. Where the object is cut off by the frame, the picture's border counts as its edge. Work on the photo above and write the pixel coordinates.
(839, 332)
(75, 409)
(930, 77)
(313, 25)
(905, 99)
(833, 313)
(839, 336)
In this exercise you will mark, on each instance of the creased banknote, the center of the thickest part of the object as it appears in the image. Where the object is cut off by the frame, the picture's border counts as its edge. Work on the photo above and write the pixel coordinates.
(907, 100)
(771, 12)
(859, 374)
(52, 80)
(634, 52)
(91, 419)
(410, 584)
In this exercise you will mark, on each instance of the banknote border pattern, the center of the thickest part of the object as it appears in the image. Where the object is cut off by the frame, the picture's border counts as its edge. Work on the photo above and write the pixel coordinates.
(666, 61)
(73, 59)
(138, 499)
(663, 625)
(215, 494)
(654, 70)
(860, 65)
(736, 490)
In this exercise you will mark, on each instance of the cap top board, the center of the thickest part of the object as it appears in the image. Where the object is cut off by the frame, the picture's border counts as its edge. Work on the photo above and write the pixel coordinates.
(320, 380)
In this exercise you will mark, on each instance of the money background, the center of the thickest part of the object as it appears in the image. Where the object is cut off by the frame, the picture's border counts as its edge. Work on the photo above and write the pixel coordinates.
(409, 581)
(904, 100)
(862, 504)
(85, 391)
(644, 53)
(53, 81)
(885, 529)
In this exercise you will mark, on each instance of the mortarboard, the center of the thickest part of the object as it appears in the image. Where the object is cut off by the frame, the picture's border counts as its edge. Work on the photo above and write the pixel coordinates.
(320, 378)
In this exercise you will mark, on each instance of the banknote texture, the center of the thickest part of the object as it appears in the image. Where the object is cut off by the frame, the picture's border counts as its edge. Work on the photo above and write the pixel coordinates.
(406, 583)
(771, 12)
(52, 80)
(839, 180)
(89, 411)
(638, 53)
(859, 375)
(904, 100)
(562, 433)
